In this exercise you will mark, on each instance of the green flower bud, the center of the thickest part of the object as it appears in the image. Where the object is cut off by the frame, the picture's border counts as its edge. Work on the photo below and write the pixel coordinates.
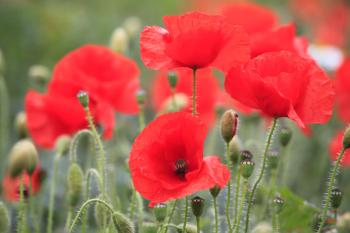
(83, 98)
(273, 159)
(140, 96)
(63, 144)
(21, 125)
(336, 197)
(132, 26)
(197, 204)
(4, 219)
(214, 191)
(234, 149)
(119, 40)
(346, 139)
(247, 168)
(160, 211)
(285, 136)
(102, 215)
(172, 79)
(343, 223)
(122, 223)
(229, 122)
(23, 157)
(263, 227)
(39, 74)
(75, 180)
(278, 204)
(189, 228)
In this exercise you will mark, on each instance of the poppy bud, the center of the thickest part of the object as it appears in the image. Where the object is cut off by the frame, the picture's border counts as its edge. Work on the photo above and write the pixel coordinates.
(346, 139)
(273, 159)
(229, 122)
(263, 227)
(343, 223)
(23, 157)
(39, 74)
(285, 136)
(172, 79)
(119, 40)
(21, 125)
(149, 227)
(246, 155)
(83, 98)
(160, 211)
(140, 96)
(132, 26)
(62, 144)
(102, 215)
(214, 191)
(197, 204)
(122, 223)
(234, 149)
(189, 228)
(278, 204)
(4, 219)
(75, 184)
(247, 168)
(336, 197)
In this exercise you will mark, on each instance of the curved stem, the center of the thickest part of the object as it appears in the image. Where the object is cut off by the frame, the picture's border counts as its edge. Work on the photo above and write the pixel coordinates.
(194, 92)
(52, 193)
(240, 210)
(171, 215)
(198, 224)
(186, 215)
(75, 142)
(261, 174)
(329, 191)
(228, 198)
(216, 216)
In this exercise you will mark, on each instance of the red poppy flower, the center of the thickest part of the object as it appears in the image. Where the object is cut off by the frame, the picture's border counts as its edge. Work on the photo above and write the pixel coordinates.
(207, 91)
(342, 85)
(194, 40)
(335, 147)
(282, 84)
(166, 160)
(11, 186)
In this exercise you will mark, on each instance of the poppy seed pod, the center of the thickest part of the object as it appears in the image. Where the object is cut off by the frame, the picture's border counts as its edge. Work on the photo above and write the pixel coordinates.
(247, 168)
(23, 157)
(21, 125)
(4, 219)
(172, 79)
(140, 96)
(83, 98)
(273, 159)
(119, 40)
(132, 26)
(336, 197)
(278, 204)
(75, 184)
(246, 155)
(346, 139)
(122, 223)
(39, 74)
(197, 204)
(229, 122)
(263, 227)
(343, 223)
(62, 144)
(214, 191)
(285, 136)
(189, 228)
(160, 211)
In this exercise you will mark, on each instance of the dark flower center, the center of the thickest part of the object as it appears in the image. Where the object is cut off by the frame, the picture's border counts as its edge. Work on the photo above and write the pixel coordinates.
(181, 168)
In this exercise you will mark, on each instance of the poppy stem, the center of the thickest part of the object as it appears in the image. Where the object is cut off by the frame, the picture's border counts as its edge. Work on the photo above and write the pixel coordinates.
(261, 174)
(186, 214)
(194, 92)
(240, 210)
(21, 228)
(52, 193)
(141, 117)
(171, 216)
(228, 198)
(198, 224)
(329, 191)
(216, 229)
(238, 186)
(275, 222)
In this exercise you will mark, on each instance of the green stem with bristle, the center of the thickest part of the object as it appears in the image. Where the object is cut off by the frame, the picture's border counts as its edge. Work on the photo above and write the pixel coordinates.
(228, 198)
(198, 224)
(240, 210)
(330, 187)
(238, 185)
(216, 215)
(261, 174)
(186, 215)
(22, 225)
(170, 217)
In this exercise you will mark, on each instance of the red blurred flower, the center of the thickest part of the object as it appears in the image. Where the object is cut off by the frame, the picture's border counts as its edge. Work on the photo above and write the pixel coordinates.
(194, 40)
(335, 147)
(342, 87)
(282, 84)
(166, 160)
(111, 81)
(11, 186)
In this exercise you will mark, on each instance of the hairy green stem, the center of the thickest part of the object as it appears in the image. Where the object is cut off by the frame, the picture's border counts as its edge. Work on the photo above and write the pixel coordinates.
(170, 217)
(22, 225)
(330, 187)
(238, 185)
(240, 210)
(228, 198)
(261, 174)
(186, 214)
(198, 224)
(216, 216)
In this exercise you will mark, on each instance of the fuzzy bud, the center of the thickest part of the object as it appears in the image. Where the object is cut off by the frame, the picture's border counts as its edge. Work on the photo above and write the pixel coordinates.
(21, 125)
(119, 40)
(83, 98)
(336, 197)
(343, 223)
(160, 211)
(278, 203)
(189, 228)
(229, 122)
(197, 204)
(132, 26)
(214, 191)
(23, 157)
(102, 215)
(346, 139)
(273, 158)
(234, 149)
(263, 227)
(75, 184)
(62, 144)
(140, 97)
(39, 74)
(247, 168)
(4, 219)
(172, 79)
(285, 136)
(122, 223)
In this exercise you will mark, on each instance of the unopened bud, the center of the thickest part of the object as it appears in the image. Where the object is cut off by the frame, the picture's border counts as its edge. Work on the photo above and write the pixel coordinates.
(160, 211)
(343, 223)
(285, 136)
(172, 79)
(246, 155)
(4, 219)
(346, 139)
(263, 227)
(122, 223)
(336, 197)
(119, 40)
(273, 159)
(214, 191)
(132, 26)
(39, 74)
(140, 96)
(278, 204)
(62, 144)
(234, 149)
(83, 98)
(21, 125)
(197, 204)
(247, 168)
(229, 122)
(23, 157)
(189, 228)
(75, 184)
